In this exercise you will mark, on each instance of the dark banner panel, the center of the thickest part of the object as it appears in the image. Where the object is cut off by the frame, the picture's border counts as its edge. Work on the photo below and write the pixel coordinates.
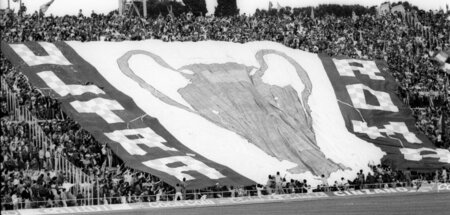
(112, 117)
(366, 95)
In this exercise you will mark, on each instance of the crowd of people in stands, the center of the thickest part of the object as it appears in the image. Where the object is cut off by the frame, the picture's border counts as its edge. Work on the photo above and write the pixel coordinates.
(407, 51)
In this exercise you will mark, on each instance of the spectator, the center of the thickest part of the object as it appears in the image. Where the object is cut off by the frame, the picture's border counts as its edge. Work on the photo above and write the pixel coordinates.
(178, 194)
(278, 184)
(407, 175)
(444, 175)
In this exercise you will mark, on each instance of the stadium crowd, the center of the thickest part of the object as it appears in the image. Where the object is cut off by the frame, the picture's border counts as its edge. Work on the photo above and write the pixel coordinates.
(407, 50)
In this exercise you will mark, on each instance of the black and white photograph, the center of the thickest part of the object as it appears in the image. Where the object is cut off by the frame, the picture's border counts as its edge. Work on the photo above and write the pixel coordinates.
(246, 107)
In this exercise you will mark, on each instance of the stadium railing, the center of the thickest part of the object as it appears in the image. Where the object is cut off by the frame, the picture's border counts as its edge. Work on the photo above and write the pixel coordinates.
(60, 163)
(192, 195)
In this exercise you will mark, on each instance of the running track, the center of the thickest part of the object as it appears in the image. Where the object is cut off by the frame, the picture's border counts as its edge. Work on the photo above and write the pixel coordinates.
(418, 203)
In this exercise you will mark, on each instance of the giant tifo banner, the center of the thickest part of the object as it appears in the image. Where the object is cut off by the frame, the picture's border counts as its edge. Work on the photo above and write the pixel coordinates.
(219, 112)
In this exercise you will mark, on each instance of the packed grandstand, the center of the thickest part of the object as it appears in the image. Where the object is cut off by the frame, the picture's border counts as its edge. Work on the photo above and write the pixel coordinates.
(50, 160)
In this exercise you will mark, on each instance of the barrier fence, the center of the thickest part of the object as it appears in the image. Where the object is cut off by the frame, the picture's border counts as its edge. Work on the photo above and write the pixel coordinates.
(366, 189)
(189, 195)
(11, 101)
(59, 163)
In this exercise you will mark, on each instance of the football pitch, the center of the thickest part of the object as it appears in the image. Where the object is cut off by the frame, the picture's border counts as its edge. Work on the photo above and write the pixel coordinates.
(418, 203)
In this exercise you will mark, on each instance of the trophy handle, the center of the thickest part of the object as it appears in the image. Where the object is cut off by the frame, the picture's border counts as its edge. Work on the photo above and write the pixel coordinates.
(123, 63)
(303, 75)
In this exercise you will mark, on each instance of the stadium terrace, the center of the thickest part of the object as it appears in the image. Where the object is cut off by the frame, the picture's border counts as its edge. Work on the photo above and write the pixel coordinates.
(103, 110)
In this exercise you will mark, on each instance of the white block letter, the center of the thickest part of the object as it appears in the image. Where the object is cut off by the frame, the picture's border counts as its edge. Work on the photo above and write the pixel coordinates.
(54, 56)
(416, 155)
(367, 68)
(100, 106)
(63, 90)
(361, 127)
(356, 92)
(147, 137)
(190, 164)
(390, 129)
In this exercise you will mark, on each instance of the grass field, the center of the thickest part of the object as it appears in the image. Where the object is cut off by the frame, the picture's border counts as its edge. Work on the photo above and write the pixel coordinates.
(418, 203)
